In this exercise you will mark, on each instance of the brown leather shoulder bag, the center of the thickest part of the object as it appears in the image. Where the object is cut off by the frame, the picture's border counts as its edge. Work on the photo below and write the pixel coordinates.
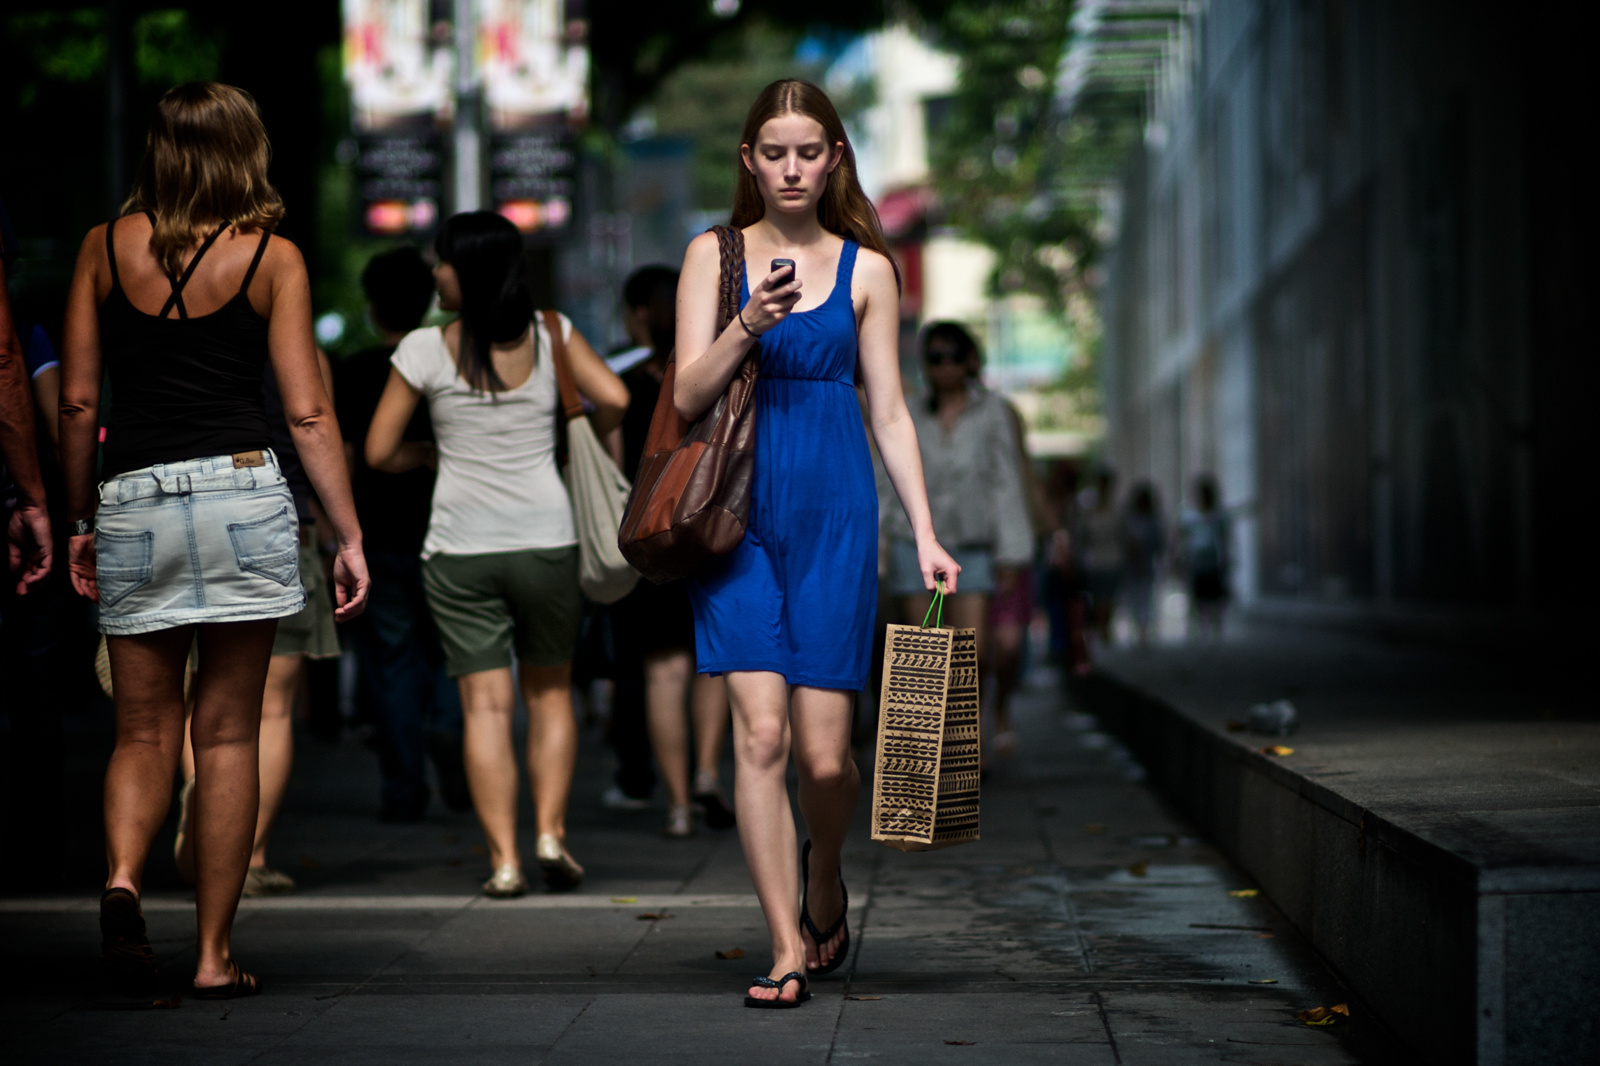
(691, 496)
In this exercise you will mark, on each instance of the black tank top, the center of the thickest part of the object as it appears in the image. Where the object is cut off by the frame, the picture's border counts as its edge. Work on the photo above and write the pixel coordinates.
(182, 388)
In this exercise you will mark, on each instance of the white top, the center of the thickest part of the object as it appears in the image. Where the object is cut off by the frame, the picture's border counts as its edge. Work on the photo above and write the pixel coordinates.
(498, 488)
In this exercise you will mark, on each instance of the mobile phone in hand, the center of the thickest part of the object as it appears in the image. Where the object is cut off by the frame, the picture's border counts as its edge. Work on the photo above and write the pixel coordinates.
(784, 264)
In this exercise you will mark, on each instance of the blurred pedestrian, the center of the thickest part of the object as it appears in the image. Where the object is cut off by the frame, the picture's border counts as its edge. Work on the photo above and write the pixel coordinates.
(787, 616)
(500, 561)
(183, 301)
(1144, 545)
(401, 663)
(975, 485)
(654, 624)
(1203, 546)
(1099, 550)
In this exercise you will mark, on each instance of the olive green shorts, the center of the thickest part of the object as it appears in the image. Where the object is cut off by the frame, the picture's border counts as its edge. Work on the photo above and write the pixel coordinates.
(486, 605)
(311, 632)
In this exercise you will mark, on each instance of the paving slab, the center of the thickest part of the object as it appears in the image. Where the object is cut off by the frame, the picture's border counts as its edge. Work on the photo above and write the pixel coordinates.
(1092, 924)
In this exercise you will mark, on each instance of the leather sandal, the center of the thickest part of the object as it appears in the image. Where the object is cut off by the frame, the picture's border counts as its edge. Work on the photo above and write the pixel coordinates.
(243, 984)
(125, 955)
(822, 936)
(780, 1003)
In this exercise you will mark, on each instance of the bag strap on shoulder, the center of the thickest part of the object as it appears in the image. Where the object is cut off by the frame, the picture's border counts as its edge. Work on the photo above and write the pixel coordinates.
(571, 404)
(730, 246)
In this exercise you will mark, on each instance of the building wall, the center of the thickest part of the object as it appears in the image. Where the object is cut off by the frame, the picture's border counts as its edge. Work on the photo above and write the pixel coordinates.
(1320, 293)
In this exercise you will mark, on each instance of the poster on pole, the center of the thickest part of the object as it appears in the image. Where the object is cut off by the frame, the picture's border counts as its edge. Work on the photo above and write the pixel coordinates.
(398, 65)
(533, 58)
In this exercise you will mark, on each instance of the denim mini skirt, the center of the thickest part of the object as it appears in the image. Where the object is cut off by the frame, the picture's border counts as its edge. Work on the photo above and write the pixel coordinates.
(204, 540)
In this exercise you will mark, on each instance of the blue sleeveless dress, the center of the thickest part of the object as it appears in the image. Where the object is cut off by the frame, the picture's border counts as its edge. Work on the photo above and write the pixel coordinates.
(799, 595)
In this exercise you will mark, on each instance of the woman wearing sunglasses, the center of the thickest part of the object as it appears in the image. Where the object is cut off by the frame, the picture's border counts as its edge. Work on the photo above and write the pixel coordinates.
(975, 489)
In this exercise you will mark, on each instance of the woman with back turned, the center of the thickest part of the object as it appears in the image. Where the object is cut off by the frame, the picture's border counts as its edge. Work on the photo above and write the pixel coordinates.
(500, 562)
(787, 616)
(191, 535)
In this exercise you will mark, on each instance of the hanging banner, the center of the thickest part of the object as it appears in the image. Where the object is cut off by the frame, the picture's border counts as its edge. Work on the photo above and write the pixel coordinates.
(398, 64)
(534, 61)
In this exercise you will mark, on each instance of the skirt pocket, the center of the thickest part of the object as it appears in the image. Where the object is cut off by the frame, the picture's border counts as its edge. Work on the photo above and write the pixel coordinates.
(269, 546)
(124, 563)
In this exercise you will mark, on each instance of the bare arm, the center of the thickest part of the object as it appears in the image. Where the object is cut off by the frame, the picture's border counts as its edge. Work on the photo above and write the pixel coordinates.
(386, 449)
(308, 409)
(598, 384)
(29, 533)
(79, 421)
(706, 360)
(891, 422)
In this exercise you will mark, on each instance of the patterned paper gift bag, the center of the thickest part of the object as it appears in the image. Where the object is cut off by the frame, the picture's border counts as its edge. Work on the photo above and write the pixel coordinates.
(925, 790)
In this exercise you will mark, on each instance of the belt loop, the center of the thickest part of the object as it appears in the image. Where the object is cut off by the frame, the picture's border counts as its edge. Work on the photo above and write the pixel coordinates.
(184, 485)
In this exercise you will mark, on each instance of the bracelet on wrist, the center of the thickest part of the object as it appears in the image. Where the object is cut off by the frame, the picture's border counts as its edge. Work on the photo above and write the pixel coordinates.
(753, 334)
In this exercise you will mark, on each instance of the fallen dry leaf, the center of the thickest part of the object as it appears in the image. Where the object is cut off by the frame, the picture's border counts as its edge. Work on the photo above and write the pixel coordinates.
(1265, 981)
(1138, 869)
(863, 999)
(1324, 1015)
(624, 899)
(962, 1043)
(731, 953)
(309, 863)
(1264, 936)
(1277, 749)
(652, 916)
(1235, 727)
(1245, 893)
(1094, 829)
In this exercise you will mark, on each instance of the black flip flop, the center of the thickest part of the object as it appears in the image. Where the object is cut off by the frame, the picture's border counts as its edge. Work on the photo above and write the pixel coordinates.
(243, 984)
(125, 955)
(821, 937)
(780, 1004)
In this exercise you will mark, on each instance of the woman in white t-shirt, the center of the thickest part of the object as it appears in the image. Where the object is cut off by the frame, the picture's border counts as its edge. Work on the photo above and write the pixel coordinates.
(500, 562)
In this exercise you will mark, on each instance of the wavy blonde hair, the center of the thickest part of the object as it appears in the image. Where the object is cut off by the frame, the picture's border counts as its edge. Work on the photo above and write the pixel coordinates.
(205, 162)
(844, 208)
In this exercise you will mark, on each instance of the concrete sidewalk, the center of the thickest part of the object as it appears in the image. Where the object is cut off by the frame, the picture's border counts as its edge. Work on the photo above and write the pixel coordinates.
(1090, 925)
(1435, 832)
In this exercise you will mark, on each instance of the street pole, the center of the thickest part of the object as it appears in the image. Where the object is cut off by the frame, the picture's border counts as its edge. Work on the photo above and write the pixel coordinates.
(467, 139)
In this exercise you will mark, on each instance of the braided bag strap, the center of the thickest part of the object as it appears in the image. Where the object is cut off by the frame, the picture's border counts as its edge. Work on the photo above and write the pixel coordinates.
(730, 246)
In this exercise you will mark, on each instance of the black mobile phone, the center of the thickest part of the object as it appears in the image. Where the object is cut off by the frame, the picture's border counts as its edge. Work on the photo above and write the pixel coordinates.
(779, 264)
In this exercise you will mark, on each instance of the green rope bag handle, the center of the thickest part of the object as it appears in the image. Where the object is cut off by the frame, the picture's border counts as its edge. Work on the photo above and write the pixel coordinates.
(937, 601)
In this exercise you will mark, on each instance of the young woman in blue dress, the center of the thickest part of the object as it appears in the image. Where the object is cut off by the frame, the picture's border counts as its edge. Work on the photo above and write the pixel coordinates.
(787, 616)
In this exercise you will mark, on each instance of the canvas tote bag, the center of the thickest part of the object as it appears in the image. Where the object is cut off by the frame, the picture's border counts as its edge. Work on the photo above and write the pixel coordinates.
(925, 788)
(599, 491)
(691, 496)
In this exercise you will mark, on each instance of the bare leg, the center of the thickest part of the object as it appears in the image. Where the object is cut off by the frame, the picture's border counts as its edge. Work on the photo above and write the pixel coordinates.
(486, 704)
(666, 686)
(147, 672)
(227, 721)
(552, 744)
(829, 785)
(277, 744)
(708, 700)
(760, 702)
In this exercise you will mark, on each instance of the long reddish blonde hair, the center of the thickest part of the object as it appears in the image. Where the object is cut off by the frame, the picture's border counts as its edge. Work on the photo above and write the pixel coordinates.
(205, 162)
(844, 208)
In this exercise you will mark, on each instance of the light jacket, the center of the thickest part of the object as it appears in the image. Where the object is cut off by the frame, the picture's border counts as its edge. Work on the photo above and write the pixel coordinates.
(974, 485)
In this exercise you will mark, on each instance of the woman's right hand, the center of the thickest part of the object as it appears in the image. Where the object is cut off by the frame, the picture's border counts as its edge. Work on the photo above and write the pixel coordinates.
(81, 566)
(771, 301)
(350, 582)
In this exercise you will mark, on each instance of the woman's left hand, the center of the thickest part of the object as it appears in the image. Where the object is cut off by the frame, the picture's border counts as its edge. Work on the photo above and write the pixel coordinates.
(81, 566)
(350, 583)
(935, 564)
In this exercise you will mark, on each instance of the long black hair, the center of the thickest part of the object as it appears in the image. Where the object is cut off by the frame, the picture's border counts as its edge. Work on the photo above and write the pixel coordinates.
(496, 307)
